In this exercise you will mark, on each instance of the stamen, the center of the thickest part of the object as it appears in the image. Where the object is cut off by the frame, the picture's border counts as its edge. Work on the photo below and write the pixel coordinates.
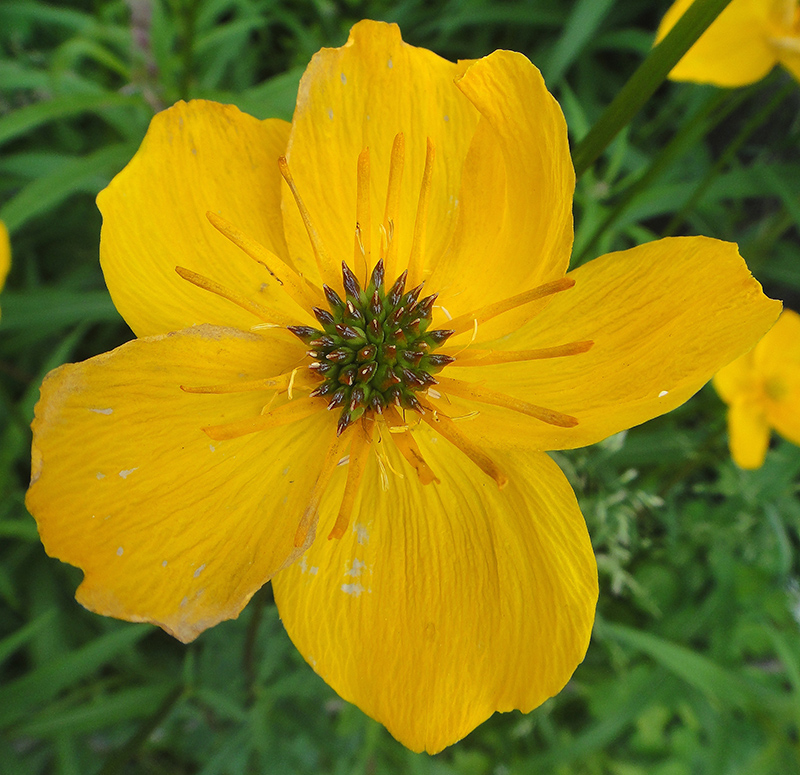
(444, 426)
(362, 250)
(473, 392)
(326, 472)
(404, 440)
(465, 322)
(495, 357)
(392, 213)
(359, 454)
(415, 260)
(283, 415)
(268, 316)
(287, 380)
(327, 267)
(302, 292)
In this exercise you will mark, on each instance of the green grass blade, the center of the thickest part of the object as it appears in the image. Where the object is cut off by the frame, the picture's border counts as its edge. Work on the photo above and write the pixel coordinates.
(19, 638)
(586, 17)
(721, 686)
(88, 173)
(22, 310)
(647, 78)
(31, 116)
(97, 714)
(44, 683)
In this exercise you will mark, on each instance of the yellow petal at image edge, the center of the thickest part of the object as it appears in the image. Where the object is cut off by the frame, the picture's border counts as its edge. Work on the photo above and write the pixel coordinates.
(196, 157)
(445, 603)
(777, 360)
(733, 51)
(664, 318)
(748, 434)
(167, 525)
(5, 254)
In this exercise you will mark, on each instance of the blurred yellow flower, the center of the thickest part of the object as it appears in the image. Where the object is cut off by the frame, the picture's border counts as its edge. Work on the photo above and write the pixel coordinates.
(762, 391)
(5, 254)
(188, 467)
(742, 45)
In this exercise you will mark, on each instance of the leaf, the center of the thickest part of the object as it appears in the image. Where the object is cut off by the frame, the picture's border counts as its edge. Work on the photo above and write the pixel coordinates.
(720, 686)
(100, 713)
(31, 116)
(586, 17)
(87, 173)
(19, 638)
(44, 683)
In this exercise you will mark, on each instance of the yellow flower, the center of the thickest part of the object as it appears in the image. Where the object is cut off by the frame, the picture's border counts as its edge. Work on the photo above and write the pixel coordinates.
(742, 44)
(5, 254)
(428, 557)
(762, 391)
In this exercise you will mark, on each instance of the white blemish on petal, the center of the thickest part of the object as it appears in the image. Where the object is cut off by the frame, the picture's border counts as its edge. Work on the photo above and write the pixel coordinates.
(303, 564)
(127, 472)
(119, 551)
(100, 476)
(199, 571)
(330, 113)
(286, 470)
(314, 570)
(344, 78)
(355, 571)
(390, 64)
(353, 589)
(212, 448)
(184, 601)
(663, 393)
(362, 534)
(446, 118)
(164, 563)
(102, 411)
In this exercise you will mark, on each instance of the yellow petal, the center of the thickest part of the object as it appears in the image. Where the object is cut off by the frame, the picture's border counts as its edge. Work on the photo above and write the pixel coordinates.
(737, 379)
(790, 59)
(359, 96)
(664, 317)
(169, 526)
(5, 254)
(748, 434)
(734, 51)
(514, 228)
(777, 359)
(197, 157)
(446, 602)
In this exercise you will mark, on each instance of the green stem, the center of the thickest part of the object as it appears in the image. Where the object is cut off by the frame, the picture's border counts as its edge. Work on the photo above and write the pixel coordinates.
(727, 156)
(720, 104)
(647, 78)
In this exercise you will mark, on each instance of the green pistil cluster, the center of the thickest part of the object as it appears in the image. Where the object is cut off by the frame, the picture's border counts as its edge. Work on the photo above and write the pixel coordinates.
(374, 348)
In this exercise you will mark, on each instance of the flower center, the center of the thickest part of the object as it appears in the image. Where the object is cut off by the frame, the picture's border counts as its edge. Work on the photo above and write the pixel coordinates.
(374, 348)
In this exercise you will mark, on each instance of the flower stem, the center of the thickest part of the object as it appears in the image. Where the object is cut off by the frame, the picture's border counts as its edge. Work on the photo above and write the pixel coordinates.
(647, 78)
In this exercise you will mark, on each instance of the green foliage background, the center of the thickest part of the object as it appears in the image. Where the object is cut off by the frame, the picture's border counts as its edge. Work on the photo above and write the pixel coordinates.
(695, 662)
